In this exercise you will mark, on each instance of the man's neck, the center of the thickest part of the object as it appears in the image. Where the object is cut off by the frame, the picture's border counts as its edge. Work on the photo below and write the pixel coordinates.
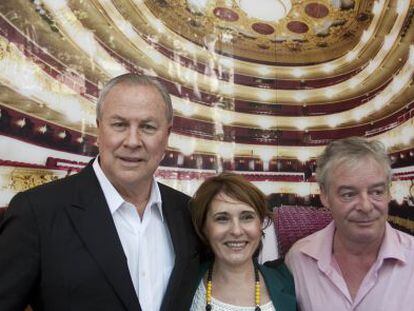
(354, 260)
(359, 249)
(136, 195)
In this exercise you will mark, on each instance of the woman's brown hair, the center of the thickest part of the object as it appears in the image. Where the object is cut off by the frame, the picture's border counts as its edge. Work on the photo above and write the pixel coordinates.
(234, 186)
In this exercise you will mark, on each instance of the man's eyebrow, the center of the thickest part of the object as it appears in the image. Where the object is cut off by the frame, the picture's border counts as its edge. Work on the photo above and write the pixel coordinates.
(116, 117)
(149, 119)
(346, 187)
(379, 184)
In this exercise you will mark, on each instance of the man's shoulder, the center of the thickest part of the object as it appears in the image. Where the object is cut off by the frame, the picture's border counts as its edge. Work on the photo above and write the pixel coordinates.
(43, 202)
(310, 246)
(167, 191)
(310, 239)
(55, 187)
(406, 240)
(49, 194)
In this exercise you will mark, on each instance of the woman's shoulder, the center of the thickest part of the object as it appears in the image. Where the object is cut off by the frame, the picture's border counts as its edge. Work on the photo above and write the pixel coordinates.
(276, 267)
(202, 270)
(280, 284)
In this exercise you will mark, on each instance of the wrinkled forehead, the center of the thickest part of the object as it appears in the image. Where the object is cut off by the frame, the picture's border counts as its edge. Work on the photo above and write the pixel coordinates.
(342, 168)
(133, 93)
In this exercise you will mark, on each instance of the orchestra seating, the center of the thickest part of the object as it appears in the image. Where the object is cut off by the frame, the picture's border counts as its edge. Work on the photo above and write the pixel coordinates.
(296, 222)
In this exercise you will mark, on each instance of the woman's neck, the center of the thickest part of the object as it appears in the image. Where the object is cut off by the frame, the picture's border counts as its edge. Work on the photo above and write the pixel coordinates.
(223, 272)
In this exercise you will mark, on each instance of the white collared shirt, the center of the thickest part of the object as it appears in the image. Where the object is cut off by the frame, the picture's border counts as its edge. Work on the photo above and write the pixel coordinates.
(146, 243)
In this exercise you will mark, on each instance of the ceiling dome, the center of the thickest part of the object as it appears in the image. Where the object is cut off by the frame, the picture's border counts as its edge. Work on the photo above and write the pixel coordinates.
(266, 10)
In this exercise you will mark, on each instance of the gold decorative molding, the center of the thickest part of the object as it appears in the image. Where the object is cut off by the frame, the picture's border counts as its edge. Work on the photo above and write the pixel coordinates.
(21, 179)
(4, 48)
(337, 32)
(402, 222)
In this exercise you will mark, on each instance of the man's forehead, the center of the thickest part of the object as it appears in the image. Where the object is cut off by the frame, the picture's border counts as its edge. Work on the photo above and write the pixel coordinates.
(130, 94)
(343, 170)
(346, 186)
(345, 165)
(127, 117)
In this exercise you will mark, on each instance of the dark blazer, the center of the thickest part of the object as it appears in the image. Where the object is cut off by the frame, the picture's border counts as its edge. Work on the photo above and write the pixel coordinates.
(278, 280)
(60, 251)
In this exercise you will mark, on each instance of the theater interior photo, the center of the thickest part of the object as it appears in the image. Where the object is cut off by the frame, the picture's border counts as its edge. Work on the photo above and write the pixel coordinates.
(259, 87)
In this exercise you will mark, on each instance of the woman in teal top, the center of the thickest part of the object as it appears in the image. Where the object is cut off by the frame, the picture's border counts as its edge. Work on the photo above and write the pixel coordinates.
(229, 215)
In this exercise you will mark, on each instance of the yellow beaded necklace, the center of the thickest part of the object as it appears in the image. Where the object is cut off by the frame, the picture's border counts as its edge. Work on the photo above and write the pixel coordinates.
(256, 288)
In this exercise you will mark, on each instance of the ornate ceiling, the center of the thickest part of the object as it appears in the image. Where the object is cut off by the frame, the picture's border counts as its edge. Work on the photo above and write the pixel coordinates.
(239, 82)
(311, 32)
(259, 86)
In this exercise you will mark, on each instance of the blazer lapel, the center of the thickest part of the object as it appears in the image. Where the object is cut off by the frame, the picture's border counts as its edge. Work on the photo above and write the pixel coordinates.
(177, 228)
(93, 221)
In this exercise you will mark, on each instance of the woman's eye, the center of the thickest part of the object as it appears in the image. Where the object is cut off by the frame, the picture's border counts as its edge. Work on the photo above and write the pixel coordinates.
(221, 218)
(248, 217)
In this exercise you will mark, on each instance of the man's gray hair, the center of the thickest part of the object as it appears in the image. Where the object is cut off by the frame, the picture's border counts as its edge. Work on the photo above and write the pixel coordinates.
(350, 150)
(134, 79)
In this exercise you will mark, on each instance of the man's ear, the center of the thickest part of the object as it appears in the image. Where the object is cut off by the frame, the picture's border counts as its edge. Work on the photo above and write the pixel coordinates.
(170, 128)
(97, 126)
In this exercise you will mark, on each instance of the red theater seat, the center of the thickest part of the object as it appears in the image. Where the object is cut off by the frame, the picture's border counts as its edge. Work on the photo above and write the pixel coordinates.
(293, 223)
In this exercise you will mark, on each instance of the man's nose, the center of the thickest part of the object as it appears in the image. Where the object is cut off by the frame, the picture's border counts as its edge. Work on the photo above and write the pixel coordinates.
(365, 204)
(133, 138)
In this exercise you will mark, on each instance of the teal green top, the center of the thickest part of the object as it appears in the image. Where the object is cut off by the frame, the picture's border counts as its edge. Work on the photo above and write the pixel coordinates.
(278, 280)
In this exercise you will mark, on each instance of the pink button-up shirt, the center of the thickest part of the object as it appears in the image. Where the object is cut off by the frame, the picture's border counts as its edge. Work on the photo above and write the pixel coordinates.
(388, 286)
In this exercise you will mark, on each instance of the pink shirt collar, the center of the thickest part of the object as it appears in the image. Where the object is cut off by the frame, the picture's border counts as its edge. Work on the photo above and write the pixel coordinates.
(390, 247)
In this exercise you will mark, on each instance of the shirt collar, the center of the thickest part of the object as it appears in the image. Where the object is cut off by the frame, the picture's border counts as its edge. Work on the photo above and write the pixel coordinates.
(321, 248)
(115, 200)
(391, 246)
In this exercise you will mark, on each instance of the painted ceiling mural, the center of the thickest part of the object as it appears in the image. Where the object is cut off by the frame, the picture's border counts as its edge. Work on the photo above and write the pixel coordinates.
(259, 87)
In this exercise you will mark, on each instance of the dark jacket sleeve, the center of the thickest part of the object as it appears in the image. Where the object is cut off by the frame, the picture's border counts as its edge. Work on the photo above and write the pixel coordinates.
(19, 255)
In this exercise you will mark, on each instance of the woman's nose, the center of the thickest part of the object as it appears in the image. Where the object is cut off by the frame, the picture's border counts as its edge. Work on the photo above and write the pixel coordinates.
(236, 228)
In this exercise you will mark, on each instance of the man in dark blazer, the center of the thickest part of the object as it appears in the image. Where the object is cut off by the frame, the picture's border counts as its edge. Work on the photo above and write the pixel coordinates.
(67, 246)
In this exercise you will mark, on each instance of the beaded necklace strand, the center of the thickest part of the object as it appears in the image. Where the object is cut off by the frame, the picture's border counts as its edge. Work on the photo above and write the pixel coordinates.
(256, 288)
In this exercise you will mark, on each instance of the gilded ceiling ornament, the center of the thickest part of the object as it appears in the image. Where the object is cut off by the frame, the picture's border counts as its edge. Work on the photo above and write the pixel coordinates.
(258, 36)
(24, 179)
(4, 48)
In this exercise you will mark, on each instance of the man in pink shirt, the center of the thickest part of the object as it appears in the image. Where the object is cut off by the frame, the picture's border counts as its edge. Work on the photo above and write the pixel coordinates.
(358, 262)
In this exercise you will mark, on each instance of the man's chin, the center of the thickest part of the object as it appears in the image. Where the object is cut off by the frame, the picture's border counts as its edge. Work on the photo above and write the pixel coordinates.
(366, 224)
(366, 234)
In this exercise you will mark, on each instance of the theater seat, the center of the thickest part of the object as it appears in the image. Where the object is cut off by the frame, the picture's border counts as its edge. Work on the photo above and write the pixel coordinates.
(293, 223)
